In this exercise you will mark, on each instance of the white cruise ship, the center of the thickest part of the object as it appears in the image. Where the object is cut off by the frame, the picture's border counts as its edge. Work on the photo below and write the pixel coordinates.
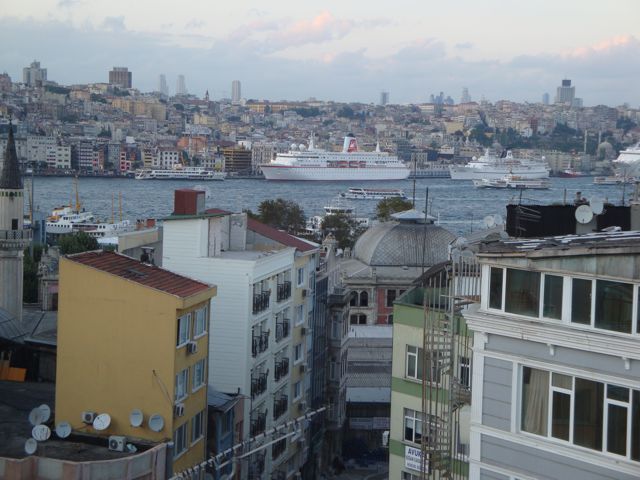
(628, 162)
(179, 173)
(490, 167)
(302, 163)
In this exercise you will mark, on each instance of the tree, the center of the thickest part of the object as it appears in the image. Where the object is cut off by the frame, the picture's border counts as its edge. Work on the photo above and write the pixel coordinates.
(282, 214)
(30, 274)
(343, 227)
(386, 207)
(77, 243)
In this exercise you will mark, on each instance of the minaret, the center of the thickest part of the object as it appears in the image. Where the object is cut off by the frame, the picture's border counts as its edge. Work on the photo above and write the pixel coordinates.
(13, 236)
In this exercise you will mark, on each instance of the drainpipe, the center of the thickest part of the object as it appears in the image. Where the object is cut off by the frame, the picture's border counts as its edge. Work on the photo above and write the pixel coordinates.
(168, 461)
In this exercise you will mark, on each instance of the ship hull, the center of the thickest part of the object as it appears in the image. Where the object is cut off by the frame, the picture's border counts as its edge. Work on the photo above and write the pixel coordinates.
(299, 173)
(466, 173)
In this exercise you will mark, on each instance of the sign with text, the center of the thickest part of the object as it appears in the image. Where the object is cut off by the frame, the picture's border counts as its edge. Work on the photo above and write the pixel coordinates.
(413, 458)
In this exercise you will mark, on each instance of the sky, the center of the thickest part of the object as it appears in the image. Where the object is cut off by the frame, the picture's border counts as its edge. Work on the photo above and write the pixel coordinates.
(346, 51)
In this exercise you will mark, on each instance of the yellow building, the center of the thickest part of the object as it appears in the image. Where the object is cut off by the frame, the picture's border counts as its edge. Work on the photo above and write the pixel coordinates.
(132, 336)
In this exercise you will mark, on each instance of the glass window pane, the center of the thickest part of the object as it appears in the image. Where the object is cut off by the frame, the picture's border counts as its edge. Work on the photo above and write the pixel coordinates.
(552, 304)
(635, 426)
(495, 288)
(562, 381)
(587, 417)
(618, 393)
(535, 400)
(560, 415)
(523, 292)
(614, 302)
(617, 430)
(581, 301)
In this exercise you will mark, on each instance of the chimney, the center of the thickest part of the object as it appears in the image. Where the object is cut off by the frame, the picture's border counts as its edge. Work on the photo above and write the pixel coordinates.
(188, 202)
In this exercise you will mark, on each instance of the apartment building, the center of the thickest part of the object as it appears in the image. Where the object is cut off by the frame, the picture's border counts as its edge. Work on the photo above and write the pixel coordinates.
(134, 346)
(264, 300)
(556, 379)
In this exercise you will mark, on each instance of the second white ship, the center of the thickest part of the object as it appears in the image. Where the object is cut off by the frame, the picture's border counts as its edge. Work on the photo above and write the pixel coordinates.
(491, 167)
(302, 163)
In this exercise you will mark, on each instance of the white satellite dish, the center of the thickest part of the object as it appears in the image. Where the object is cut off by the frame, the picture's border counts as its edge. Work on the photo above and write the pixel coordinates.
(136, 417)
(597, 206)
(489, 221)
(63, 429)
(45, 411)
(584, 214)
(498, 219)
(30, 446)
(41, 433)
(156, 422)
(102, 421)
(35, 416)
(460, 242)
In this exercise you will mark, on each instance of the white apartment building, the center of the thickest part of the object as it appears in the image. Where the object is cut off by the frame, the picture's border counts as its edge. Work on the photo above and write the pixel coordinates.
(167, 158)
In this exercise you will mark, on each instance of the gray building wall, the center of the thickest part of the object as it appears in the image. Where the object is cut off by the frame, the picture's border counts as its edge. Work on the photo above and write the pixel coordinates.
(496, 402)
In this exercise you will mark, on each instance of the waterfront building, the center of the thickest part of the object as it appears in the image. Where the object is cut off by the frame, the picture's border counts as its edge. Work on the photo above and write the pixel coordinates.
(260, 319)
(120, 77)
(556, 379)
(236, 91)
(237, 160)
(138, 339)
(33, 75)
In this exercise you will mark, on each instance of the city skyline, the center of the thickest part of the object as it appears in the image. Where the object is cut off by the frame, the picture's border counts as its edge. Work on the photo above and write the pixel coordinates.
(336, 52)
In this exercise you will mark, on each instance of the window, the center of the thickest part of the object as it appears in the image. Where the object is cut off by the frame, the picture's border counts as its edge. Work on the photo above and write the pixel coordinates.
(297, 390)
(552, 299)
(413, 426)
(197, 426)
(298, 353)
(353, 299)
(409, 476)
(227, 422)
(416, 359)
(182, 379)
(587, 427)
(364, 299)
(465, 371)
(183, 329)
(391, 297)
(535, 400)
(414, 363)
(495, 288)
(581, 301)
(180, 440)
(617, 415)
(614, 305)
(301, 276)
(522, 293)
(200, 325)
(198, 379)
(360, 319)
(299, 314)
(561, 393)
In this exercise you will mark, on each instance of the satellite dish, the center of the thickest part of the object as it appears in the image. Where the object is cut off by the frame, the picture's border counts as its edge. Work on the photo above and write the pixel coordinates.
(597, 206)
(156, 422)
(460, 242)
(45, 411)
(30, 446)
(136, 417)
(41, 433)
(498, 219)
(489, 221)
(63, 429)
(35, 416)
(102, 421)
(584, 214)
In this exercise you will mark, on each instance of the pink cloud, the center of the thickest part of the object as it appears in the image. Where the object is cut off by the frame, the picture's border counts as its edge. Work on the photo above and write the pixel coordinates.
(604, 46)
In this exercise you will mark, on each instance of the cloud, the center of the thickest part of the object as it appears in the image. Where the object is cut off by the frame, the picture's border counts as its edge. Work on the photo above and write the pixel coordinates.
(464, 46)
(114, 24)
(195, 23)
(69, 3)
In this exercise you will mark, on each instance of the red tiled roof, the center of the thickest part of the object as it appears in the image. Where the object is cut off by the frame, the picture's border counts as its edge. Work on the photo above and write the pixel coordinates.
(138, 272)
(279, 236)
(218, 211)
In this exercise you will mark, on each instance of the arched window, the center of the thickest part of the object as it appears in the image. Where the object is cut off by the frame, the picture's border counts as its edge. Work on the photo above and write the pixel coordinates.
(362, 319)
(354, 299)
(364, 299)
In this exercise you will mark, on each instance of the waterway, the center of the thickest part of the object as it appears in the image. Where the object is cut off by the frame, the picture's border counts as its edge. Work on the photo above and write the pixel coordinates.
(456, 203)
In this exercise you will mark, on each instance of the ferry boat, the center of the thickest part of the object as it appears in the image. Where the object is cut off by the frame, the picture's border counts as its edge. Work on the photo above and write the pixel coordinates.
(490, 166)
(337, 207)
(628, 162)
(614, 180)
(311, 163)
(179, 173)
(67, 219)
(431, 170)
(373, 193)
(512, 181)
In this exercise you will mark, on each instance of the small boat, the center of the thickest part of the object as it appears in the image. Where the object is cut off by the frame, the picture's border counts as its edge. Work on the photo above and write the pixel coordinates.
(373, 193)
(614, 180)
(512, 182)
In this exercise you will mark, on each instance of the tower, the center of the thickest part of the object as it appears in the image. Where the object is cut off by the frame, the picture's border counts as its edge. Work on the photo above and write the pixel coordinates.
(236, 92)
(162, 85)
(120, 77)
(181, 87)
(14, 238)
(384, 98)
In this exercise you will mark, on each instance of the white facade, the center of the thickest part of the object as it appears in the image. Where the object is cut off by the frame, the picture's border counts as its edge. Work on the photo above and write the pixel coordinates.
(167, 158)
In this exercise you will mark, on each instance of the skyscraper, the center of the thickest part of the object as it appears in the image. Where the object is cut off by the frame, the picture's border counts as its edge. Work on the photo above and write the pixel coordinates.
(565, 92)
(465, 98)
(120, 77)
(545, 98)
(33, 74)
(384, 98)
(236, 92)
(162, 85)
(181, 88)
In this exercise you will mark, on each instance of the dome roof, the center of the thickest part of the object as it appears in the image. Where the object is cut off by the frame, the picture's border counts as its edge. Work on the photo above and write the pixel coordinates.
(400, 244)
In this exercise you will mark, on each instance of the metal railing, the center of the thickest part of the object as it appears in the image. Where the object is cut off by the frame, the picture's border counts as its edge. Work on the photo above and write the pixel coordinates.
(258, 384)
(261, 301)
(280, 406)
(281, 369)
(283, 328)
(283, 291)
(259, 343)
(258, 424)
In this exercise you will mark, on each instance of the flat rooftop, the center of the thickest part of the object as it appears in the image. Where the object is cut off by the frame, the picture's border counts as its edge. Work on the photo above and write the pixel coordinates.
(18, 399)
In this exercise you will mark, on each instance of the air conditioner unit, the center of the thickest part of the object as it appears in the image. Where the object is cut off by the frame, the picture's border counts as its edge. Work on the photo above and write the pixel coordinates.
(117, 443)
(304, 292)
(88, 417)
(303, 367)
(302, 406)
(178, 410)
(192, 347)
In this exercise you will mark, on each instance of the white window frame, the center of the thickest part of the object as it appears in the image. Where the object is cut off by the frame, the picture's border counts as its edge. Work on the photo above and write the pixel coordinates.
(200, 318)
(198, 418)
(184, 324)
(299, 314)
(564, 391)
(298, 358)
(184, 375)
(202, 365)
(605, 420)
(412, 357)
(297, 391)
(180, 433)
(300, 277)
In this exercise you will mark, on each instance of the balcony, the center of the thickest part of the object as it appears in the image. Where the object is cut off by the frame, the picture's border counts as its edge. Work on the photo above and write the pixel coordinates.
(258, 424)
(280, 406)
(259, 384)
(261, 301)
(15, 238)
(256, 467)
(282, 369)
(278, 449)
(283, 328)
(284, 291)
(259, 343)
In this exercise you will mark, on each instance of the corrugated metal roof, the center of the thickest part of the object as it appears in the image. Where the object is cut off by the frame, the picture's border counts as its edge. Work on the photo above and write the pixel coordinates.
(141, 273)
(10, 328)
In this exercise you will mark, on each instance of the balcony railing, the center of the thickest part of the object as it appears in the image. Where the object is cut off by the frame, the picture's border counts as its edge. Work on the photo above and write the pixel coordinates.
(256, 467)
(259, 343)
(282, 369)
(15, 238)
(259, 384)
(258, 424)
(261, 301)
(278, 449)
(283, 328)
(279, 475)
(284, 291)
(280, 406)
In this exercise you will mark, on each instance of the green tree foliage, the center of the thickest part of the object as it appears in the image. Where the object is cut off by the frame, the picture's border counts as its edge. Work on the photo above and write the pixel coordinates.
(386, 207)
(282, 214)
(346, 112)
(307, 112)
(479, 134)
(343, 228)
(30, 274)
(77, 243)
(626, 124)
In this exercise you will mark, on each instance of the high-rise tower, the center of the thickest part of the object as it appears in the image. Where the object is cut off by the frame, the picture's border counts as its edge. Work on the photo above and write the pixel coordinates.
(163, 88)
(236, 92)
(181, 87)
(14, 238)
